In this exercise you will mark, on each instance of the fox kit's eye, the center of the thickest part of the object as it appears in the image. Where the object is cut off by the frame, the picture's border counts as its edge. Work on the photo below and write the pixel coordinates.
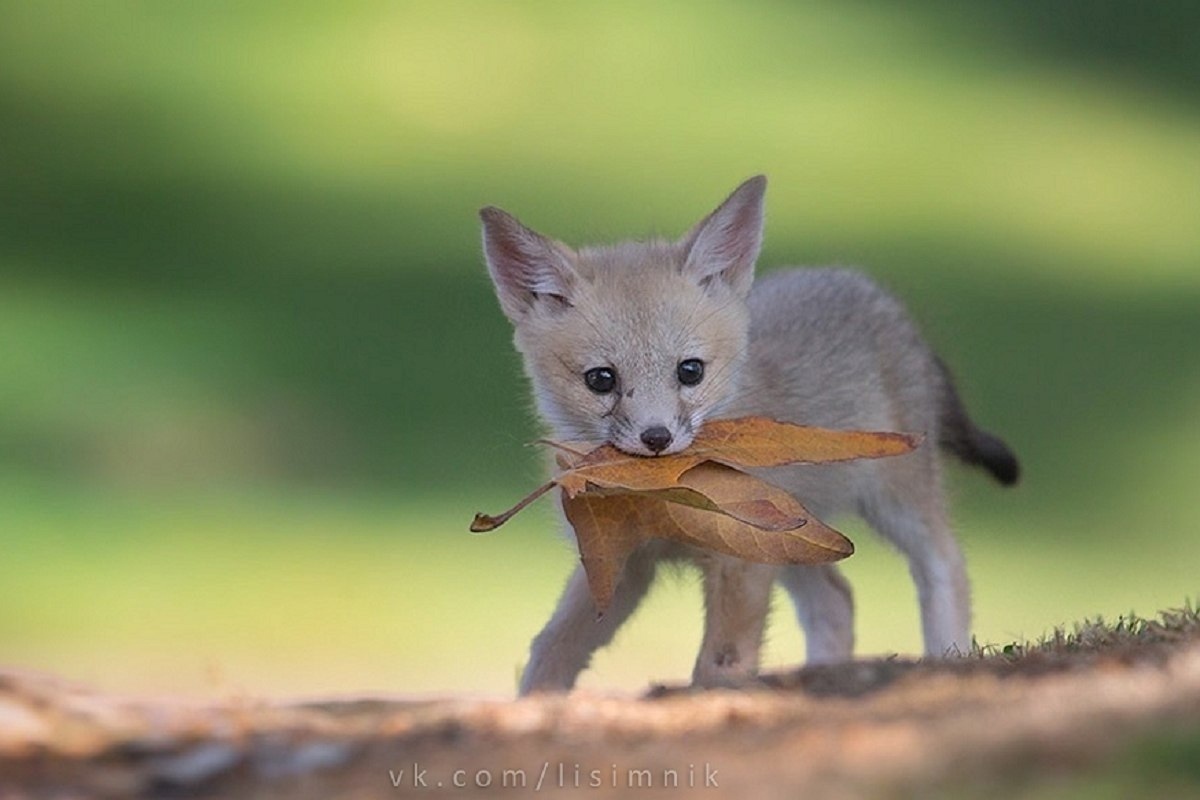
(600, 380)
(690, 371)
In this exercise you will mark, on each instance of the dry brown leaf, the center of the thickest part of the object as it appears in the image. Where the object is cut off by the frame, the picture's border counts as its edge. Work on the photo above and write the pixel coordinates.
(609, 528)
(607, 466)
(762, 442)
(701, 496)
(742, 442)
(714, 487)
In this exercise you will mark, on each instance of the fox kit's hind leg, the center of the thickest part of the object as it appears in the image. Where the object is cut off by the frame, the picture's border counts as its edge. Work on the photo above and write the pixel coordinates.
(825, 606)
(737, 595)
(913, 518)
(564, 647)
(940, 573)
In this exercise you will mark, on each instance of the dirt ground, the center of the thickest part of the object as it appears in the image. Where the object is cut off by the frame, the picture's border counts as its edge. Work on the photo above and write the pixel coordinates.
(1108, 710)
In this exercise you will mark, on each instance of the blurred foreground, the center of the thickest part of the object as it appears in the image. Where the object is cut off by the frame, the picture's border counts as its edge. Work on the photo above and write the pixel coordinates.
(1110, 711)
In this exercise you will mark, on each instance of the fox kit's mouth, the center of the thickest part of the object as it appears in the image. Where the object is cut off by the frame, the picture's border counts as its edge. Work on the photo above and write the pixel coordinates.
(677, 444)
(642, 452)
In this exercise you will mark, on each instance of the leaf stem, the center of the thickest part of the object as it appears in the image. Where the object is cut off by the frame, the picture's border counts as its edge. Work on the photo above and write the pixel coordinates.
(485, 523)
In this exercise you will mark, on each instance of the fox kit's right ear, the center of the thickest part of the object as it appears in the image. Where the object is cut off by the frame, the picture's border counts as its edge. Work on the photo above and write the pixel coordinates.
(724, 245)
(526, 267)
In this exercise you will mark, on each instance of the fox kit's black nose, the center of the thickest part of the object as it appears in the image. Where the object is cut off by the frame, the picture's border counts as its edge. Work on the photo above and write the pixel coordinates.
(656, 438)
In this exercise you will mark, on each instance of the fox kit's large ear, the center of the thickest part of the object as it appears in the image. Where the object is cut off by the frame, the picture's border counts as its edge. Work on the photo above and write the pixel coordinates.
(725, 244)
(526, 267)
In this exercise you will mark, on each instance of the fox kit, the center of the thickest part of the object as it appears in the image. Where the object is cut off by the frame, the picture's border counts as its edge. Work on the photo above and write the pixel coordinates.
(638, 344)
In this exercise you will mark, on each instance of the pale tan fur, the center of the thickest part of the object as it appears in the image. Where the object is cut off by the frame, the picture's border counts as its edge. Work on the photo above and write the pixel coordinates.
(821, 347)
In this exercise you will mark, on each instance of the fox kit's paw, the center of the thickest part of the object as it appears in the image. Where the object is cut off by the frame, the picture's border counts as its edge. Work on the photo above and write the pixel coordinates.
(723, 668)
(544, 675)
(533, 689)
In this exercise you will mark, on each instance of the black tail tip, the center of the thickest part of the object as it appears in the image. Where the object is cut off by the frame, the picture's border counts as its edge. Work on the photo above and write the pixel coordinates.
(996, 457)
(1006, 470)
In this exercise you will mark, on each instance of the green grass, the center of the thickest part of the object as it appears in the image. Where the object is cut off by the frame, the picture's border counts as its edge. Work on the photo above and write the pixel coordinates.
(1128, 631)
(253, 382)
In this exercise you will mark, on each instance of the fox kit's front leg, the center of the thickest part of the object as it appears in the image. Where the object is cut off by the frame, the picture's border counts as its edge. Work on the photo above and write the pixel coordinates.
(737, 595)
(565, 646)
(825, 607)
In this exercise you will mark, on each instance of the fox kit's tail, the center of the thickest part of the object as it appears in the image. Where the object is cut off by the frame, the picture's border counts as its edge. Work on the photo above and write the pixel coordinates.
(977, 447)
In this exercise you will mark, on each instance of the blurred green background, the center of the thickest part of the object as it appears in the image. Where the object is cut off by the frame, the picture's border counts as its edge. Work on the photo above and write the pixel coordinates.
(253, 381)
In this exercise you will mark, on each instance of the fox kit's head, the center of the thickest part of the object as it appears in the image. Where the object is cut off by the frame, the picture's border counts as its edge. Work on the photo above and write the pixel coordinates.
(637, 343)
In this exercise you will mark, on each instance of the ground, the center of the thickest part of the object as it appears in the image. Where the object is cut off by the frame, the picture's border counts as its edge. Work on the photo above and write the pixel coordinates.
(1110, 709)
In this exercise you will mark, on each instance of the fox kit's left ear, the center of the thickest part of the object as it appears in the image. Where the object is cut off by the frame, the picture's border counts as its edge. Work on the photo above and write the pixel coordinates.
(725, 244)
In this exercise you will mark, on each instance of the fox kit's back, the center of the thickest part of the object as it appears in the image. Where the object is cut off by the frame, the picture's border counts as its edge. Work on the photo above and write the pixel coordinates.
(638, 344)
